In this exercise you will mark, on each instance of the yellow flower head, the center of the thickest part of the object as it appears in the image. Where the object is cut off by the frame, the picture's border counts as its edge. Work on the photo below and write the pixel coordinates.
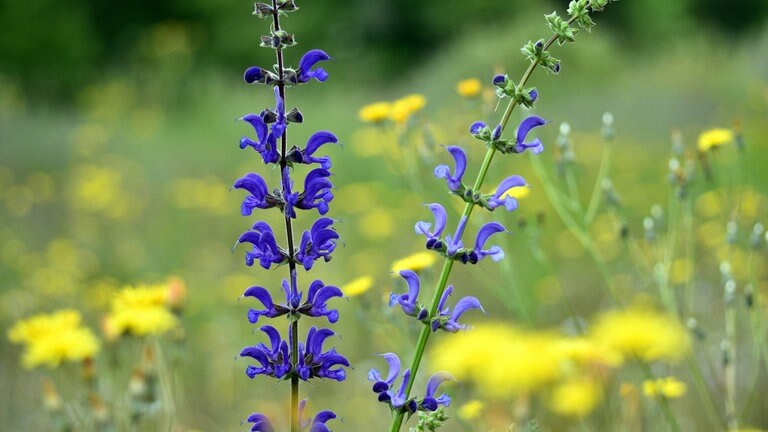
(669, 387)
(403, 108)
(517, 192)
(576, 397)
(50, 339)
(471, 410)
(643, 333)
(501, 360)
(140, 311)
(416, 262)
(376, 112)
(469, 88)
(714, 138)
(357, 286)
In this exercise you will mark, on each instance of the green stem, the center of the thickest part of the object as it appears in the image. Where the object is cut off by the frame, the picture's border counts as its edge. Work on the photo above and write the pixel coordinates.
(602, 172)
(397, 421)
(294, 326)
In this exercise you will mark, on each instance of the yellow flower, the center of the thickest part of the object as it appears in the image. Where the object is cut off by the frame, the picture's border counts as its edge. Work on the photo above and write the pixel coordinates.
(357, 286)
(407, 106)
(714, 138)
(376, 112)
(469, 88)
(583, 351)
(416, 262)
(517, 192)
(576, 397)
(471, 410)
(669, 387)
(50, 339)
(140, 311)
(501, 360)
(642, 333)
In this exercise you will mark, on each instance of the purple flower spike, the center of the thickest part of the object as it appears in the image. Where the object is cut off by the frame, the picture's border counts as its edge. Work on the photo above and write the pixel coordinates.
(443, 171)
(408, 301)
(253, 74)
(508, 202)
(259, 197)
(483, 234)
(318, 242)
(499, 80)
(260, 423)
(449, 321)
(317, 297)
(380, 384)
(423, 227)
(308, 60)
(522, 131)
(265, 247)
(430, 402)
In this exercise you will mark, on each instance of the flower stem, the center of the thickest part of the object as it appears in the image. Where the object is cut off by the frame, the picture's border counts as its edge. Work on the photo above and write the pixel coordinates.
(421, 345)
(294, 326)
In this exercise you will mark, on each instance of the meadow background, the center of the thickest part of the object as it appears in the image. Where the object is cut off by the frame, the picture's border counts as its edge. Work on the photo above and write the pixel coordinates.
(118, 147)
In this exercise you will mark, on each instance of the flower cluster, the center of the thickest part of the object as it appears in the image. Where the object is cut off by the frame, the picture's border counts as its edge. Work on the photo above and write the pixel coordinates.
(288, 358)
(439, 315)
(50, 339)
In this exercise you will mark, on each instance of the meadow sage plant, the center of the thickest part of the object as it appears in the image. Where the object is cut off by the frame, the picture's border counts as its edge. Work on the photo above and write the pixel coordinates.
(285, 357)
(437, 314)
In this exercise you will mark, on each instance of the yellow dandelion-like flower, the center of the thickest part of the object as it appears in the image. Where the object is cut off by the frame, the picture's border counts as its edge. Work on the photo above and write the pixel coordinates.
(643, 333)
(469, 88)
(583, 351)
(403, 108)
(357, 286)
(714, 138)
(576, 397)
(416, 262)
(50, 339)
(669, 387)
(471, 410)
(517, 192)
(376, 112)
(501, 360)
(140, 311)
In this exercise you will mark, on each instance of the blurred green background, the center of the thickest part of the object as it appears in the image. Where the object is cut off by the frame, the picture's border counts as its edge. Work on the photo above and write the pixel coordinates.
(118, 145)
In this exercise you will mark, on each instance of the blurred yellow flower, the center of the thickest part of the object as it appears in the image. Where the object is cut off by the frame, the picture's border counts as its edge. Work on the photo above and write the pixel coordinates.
(471, 410)
(681, 271)
(141, 311)
(403, 108)
(376, 112)
(669, 387)
(583, 351)
(643, 333)
(517, 192)
(357, 286)
(416, 262)
(50, 339)
(501, 360)
(714, 138)
(576, 397)
(469, 88)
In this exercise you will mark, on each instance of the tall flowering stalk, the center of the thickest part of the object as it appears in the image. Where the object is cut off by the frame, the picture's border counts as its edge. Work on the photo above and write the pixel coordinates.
(437, 315)
(289, 359)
